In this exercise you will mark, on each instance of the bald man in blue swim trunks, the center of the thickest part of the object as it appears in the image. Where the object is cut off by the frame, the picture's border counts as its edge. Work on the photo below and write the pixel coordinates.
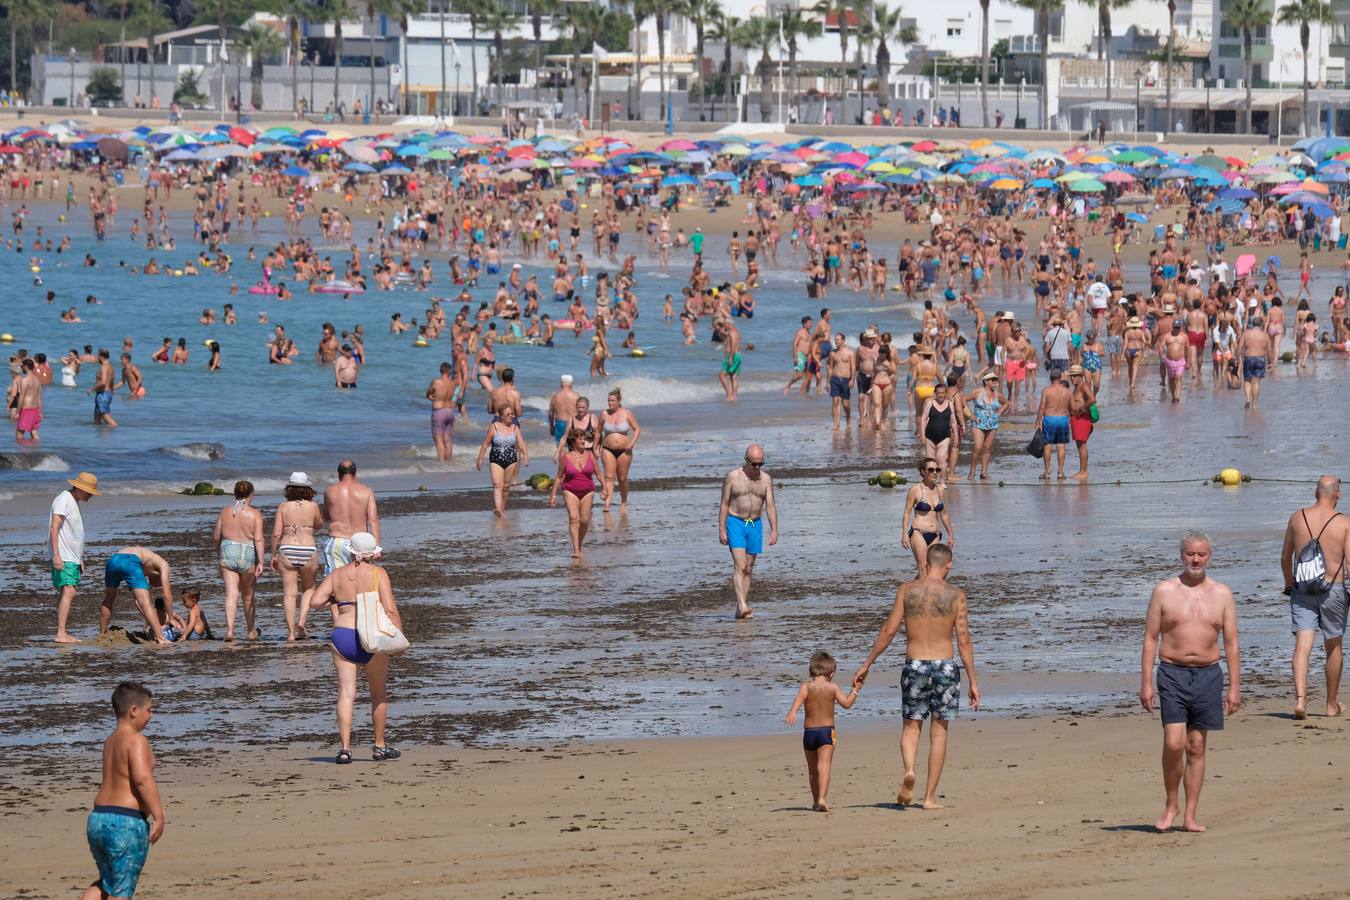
(747, 499)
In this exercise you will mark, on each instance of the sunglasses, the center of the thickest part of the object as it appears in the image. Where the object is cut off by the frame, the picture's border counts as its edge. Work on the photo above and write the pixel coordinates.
(754, 465)
(931, 470)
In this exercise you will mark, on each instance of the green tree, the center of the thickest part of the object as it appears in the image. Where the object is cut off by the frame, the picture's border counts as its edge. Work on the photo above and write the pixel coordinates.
(222, 12)
(1248, 16)
(538, 9)
(886, 24)
(642, 10)
(333, 12)
(21, 12)
(152, 19)
(761, 33)
(1043, 9)
(584, 19)
(123, 7)
(497, 20)
(840, 10)
(1104, 8)
(474, 9)
(104, 88)
(700, 14)
(259, 42)
(1171, 51)
(188, 92)
(725, 30)
(1305, 14)
(798, 23)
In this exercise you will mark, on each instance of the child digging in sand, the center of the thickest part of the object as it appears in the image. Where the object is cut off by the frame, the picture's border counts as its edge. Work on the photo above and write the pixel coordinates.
(819, 695)
(128, 816)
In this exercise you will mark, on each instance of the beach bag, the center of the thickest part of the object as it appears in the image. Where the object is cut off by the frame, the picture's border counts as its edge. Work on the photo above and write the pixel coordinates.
(1310, 566)
(1036, 448)
(376, 631)
(1094, 414)
(1340, 242)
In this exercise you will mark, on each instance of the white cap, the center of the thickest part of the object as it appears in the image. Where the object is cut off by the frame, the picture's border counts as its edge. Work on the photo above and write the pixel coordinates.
(566, 379)
(299, 479)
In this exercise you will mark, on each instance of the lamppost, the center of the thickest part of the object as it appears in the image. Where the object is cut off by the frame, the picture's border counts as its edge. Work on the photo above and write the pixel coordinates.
(1138, 110)
(313, 63)
(1209, 116)
(70, 100)
(456, 109)
(932, 96)
(1017, 114)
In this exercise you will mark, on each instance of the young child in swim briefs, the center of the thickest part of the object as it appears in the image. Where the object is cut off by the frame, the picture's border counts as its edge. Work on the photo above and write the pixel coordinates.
(128, 816)
(819, 695)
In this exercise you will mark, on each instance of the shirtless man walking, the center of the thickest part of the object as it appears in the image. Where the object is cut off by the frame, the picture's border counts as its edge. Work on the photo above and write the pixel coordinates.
(562, 408)
(747, 498)
(1255, 346)
(29, 402)
(842, 367)
(801, 357)
(1052, 420)
(102, 390)
(504, 401)
(932, 613)
(1185, 617)
(441, 393)
(348, 508)
(1313, 610)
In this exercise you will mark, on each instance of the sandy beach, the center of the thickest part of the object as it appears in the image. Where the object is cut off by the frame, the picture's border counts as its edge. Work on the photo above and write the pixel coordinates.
(1048, 807)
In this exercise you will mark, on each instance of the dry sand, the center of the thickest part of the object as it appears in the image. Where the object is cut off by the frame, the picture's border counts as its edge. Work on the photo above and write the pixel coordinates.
(1038, 807)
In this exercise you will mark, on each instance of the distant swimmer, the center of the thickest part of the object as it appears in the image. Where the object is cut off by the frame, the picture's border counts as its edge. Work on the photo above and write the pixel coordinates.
(1186, 615)
(747, 498)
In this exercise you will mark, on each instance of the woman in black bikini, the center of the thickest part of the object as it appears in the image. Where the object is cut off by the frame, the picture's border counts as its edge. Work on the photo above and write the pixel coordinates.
(926, 515)
(619, 434)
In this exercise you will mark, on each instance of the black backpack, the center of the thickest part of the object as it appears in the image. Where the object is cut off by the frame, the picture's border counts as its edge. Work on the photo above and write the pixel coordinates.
(1310, 565)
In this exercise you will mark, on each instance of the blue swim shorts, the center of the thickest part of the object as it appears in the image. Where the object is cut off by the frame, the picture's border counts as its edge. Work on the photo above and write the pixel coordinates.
(119, 839)
(1191, 695)
(103, 402)
(1055, 429)
(125, 567)
(815, 738)
(559, 429)
(745, 534)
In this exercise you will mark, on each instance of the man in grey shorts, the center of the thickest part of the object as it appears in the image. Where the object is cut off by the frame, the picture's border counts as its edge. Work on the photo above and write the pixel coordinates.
(1313, 612)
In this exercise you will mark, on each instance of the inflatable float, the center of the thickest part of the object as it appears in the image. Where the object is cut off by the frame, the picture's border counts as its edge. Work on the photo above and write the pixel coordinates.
(339, 287)
(568, 324)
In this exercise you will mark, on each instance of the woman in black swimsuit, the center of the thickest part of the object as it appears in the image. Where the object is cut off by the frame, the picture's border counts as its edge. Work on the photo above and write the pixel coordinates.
(936, 425)
(925, 515)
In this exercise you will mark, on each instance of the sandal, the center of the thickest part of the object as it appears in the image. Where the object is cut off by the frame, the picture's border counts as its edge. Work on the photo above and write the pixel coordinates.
(379, 754)
(344, 757)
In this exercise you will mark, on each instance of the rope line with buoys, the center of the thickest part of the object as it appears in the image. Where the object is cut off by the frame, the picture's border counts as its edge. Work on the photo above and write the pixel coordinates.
(1229, 477)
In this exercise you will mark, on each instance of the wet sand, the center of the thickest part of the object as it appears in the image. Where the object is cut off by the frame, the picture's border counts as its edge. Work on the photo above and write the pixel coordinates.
(1047, 807)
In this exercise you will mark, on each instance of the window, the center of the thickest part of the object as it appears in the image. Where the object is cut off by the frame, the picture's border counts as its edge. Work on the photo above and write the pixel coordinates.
(955, 27)
(1002, 28)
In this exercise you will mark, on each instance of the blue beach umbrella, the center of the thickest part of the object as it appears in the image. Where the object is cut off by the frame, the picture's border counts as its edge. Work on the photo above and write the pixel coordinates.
(295, 172)
(680, 180)
(809, 180)
(363, 168)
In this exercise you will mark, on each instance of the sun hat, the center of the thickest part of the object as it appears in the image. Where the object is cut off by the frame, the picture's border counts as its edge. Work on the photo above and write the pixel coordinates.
(363, 546)
(870, 332)
(1134, 322)
(85, 481)
(566, 379)
(991, 375)
(1075, 370)
(299, 479)
(1008, 317)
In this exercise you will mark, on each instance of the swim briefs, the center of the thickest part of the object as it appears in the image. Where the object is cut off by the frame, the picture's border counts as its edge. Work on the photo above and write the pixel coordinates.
(119, 840)
(745, 534)
(1055, 429)
(815, 738)
(1192, 695)
(1317, 612)
(930, 687)
(125, 567)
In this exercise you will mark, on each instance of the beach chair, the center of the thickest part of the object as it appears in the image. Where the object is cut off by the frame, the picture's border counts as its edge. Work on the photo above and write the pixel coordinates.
(1159, 234)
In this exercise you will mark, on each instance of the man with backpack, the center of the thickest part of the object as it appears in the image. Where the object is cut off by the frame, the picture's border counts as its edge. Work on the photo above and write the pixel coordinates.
(1316, 544)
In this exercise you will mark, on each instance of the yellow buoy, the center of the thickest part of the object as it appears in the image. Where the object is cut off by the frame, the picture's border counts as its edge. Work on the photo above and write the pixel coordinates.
(61, 218)
(420, 343)
(1230, 477)
(35, 268)
(639, 353)
(7, 338)
(267, 214)
(206, 343)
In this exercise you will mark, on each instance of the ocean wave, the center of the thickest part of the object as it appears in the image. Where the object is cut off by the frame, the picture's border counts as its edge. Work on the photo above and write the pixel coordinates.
(36, 461)
(645, 390)
(197, 450)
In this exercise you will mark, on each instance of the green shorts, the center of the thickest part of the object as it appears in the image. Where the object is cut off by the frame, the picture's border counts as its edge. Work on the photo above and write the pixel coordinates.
(66, 576)
(733, 365)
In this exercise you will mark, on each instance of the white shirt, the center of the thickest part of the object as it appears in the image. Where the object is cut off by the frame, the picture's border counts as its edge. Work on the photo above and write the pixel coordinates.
(1100, 294)
(70, 536)
(1219, 272)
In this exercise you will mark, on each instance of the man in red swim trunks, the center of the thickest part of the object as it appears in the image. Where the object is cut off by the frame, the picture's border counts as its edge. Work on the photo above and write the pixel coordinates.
(1080, 417)
(1197, 328)
(29, 403)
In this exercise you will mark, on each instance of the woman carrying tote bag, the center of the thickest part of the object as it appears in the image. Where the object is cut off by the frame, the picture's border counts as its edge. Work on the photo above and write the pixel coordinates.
(361, 586)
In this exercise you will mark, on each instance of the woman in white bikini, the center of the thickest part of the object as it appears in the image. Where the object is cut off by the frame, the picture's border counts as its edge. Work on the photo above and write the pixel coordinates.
(294, 553)
(619, 434)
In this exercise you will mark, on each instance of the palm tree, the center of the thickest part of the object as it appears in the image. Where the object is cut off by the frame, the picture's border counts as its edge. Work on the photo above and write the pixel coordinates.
(220, 11)
(726, 30)
(538, 9)
(886, 26)
(761, 33)
(1248, 16)
(840, 10)
(1104, 8)
(866, 36)
(151, 14)
(371, 12)
(1305, 13)
(24, 11)
(701, 13)
(403, 10)
(123, 6)
(642, 10)
(1171, 49)
(984, 63)
(474, 9)
(582, 19)
(1042, 9)
(497, 20)
(662, 11)
(293, 11)
(796, 23)
(258, 41)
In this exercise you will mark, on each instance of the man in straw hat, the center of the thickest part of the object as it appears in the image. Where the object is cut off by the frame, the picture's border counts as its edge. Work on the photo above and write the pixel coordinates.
(65, 534)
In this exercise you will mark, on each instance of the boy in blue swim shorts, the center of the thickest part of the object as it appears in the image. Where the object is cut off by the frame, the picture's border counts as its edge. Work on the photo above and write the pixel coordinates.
(128, 816)
(819, 695)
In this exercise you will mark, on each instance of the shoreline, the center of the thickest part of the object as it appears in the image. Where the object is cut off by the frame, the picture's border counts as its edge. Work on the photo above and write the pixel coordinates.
(1051, 806)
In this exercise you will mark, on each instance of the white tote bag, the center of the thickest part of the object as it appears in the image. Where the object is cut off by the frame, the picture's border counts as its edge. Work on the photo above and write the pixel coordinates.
(376, 631)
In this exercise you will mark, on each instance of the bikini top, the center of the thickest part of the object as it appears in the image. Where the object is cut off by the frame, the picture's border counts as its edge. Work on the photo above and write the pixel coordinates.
(620, 427)
(923, 506)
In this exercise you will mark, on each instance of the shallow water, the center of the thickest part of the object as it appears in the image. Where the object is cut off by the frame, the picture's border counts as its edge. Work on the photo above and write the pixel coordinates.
(511, 642)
